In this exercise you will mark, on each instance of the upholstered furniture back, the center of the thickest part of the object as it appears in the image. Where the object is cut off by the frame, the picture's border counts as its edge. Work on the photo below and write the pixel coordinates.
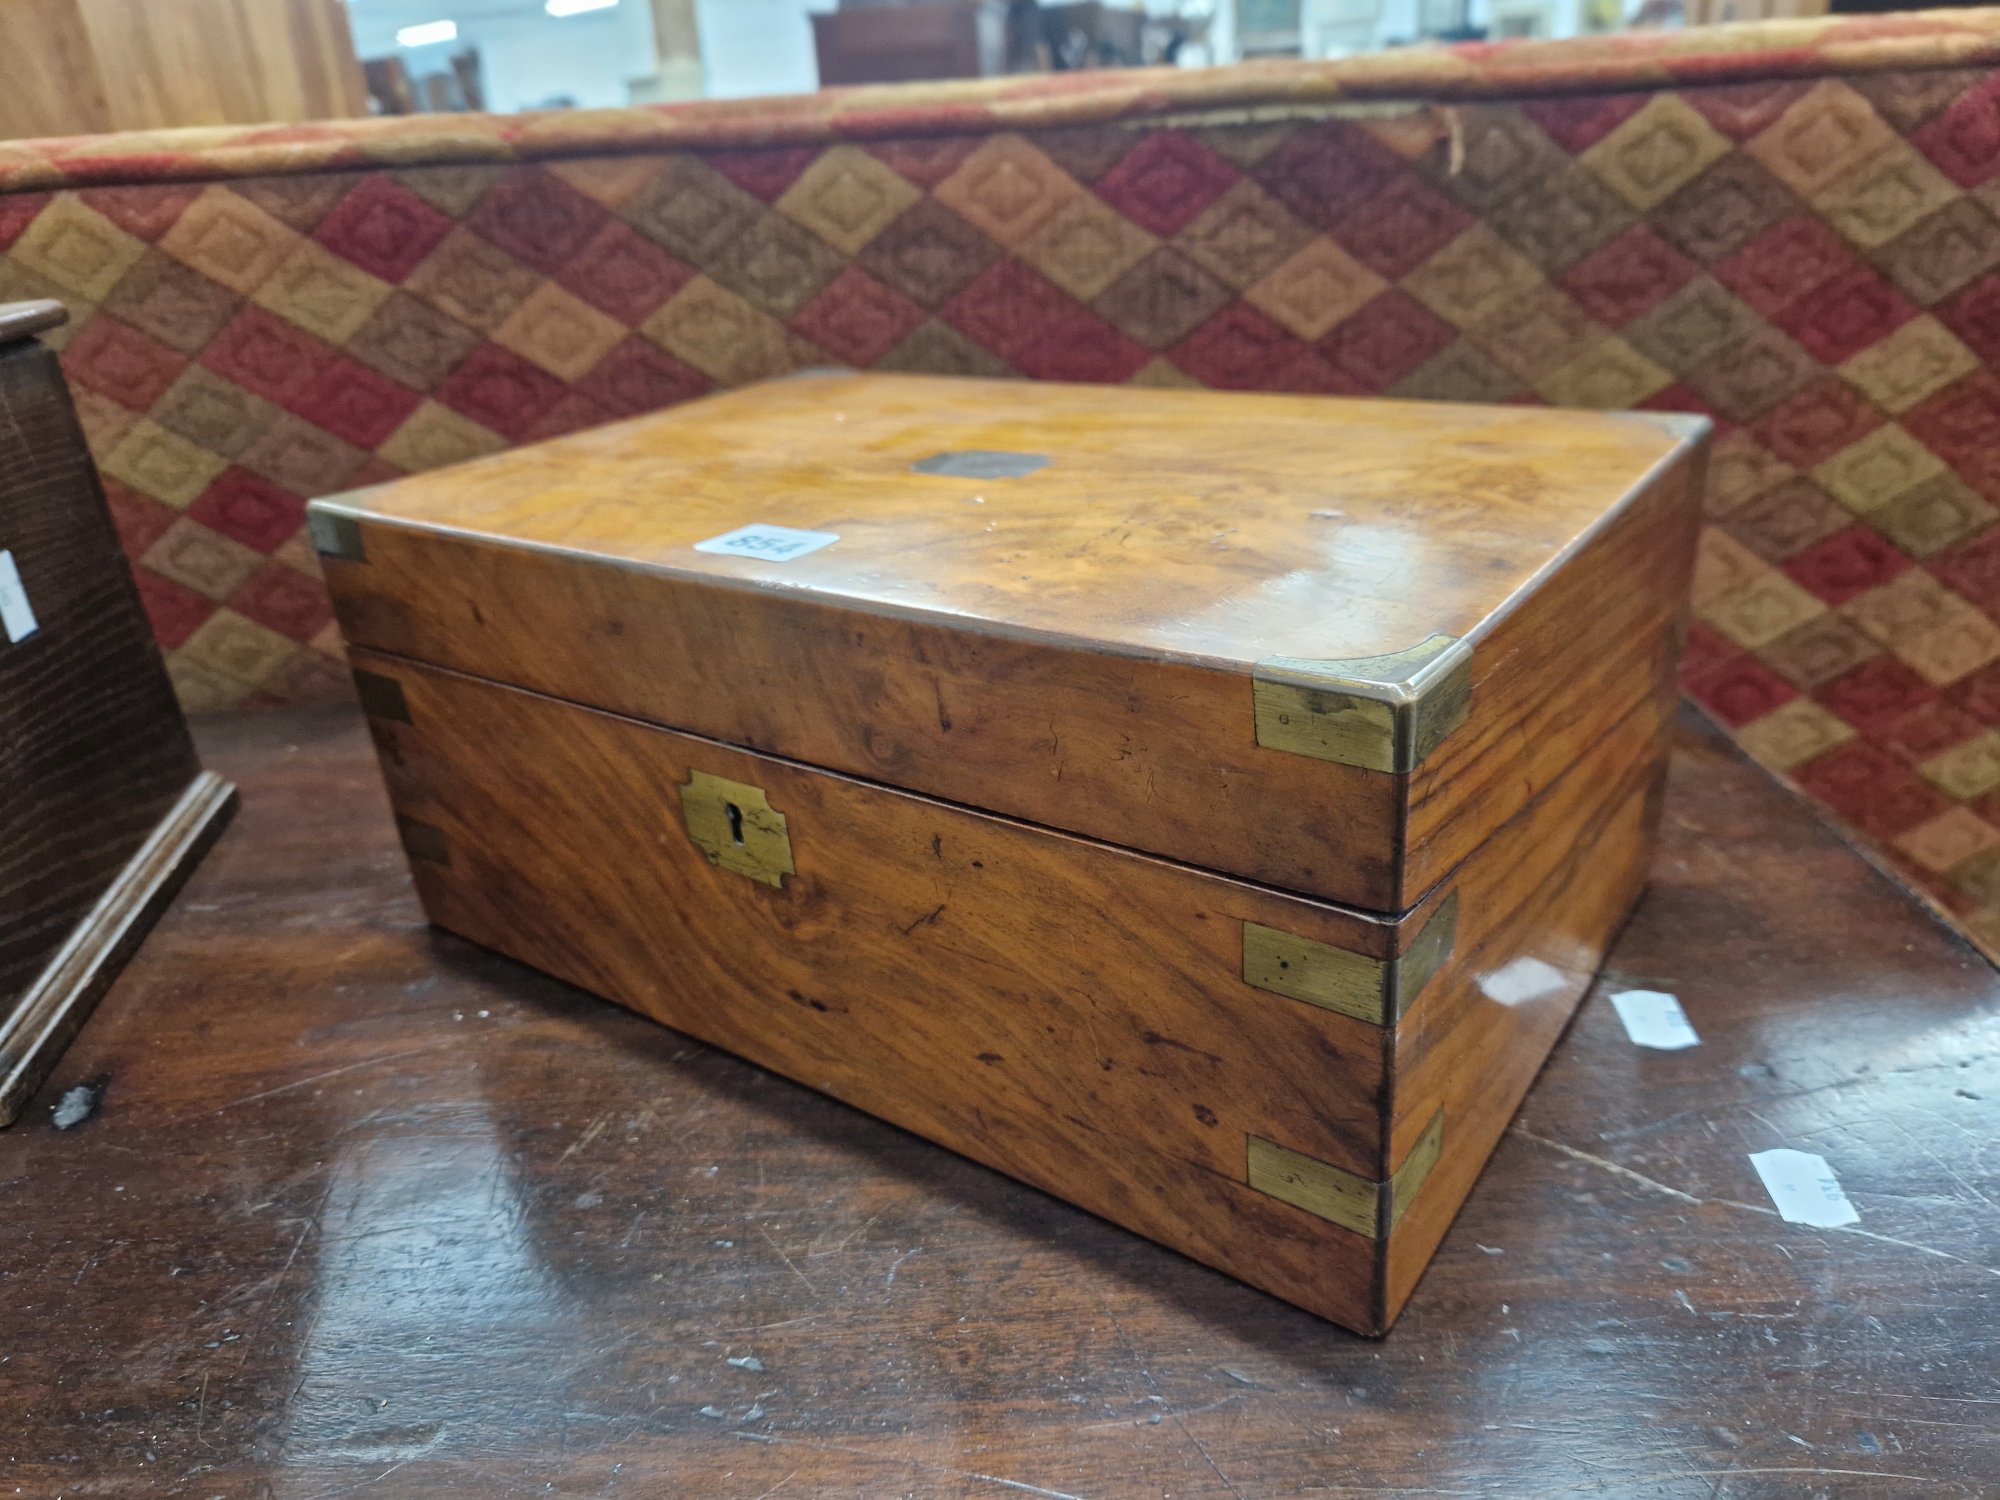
(1791, 227)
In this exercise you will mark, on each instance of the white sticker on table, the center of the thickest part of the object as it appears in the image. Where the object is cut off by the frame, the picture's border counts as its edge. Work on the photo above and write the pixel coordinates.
(17, 618)
(1654, 1019)
(1804, 1188)
(771, 543)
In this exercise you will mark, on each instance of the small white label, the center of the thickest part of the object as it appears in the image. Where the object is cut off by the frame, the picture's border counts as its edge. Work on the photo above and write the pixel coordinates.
(772, 543)
(1804, 1188)
(15, 616)
(1654, 1019)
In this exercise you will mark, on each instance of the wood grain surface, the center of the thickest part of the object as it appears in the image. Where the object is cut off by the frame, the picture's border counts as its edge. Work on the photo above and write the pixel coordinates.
(1068, 1012)
(89, 66)
(1074, 646)
(218, 62)
(366, 1209)
(48, 1013)
(93, 750)
(62, 91)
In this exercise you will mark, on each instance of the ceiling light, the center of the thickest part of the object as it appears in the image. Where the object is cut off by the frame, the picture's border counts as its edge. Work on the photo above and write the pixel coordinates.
(430, 31)
(576, 7)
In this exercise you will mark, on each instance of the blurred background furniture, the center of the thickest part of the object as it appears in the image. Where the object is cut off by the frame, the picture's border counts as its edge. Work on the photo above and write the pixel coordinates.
(897, 41)
(902, 43)
(104, 809)
(1719, 12)
(79, 67)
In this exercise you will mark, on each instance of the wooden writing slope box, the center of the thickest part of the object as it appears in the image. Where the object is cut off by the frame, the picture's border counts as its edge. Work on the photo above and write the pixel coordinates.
(1208, 808)
(104, 808)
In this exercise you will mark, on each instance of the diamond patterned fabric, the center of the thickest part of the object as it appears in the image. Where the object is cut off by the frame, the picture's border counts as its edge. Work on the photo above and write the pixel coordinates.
(1813, 261)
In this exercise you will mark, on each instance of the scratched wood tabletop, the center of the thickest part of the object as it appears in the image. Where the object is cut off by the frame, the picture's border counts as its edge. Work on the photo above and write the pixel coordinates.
(365, 1210)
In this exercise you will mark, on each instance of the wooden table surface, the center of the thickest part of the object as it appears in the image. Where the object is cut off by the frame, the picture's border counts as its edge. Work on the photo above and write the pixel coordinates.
(365, 1210)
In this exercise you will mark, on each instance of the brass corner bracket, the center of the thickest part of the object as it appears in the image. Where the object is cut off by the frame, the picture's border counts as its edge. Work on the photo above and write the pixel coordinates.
(1367, 1207)
(1378, 991)
(334, 523)
(1382, 713)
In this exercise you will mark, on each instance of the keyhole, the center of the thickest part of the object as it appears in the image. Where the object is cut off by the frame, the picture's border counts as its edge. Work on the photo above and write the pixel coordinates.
(735, 822)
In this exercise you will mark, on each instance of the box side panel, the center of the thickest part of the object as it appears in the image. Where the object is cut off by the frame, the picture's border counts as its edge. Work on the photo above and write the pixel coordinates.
(1471, 1049)
(1070, 1014)
(1146, 754)
(1600, 637)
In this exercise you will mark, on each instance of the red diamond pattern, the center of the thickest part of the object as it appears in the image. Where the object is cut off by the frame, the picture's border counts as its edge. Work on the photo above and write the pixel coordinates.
(1786, 262)
(118, 361)
(175, 612)
(1236, 350)
(1875, 695)
(1961, 424)
(1386, 340)
(1846, 565)
(624, 274)
(17, 212)
(764, 174)
(1817, 423)
(1629, 277)
(1165, 183)
(352, 402)
(147, 211)
(283, 599)
(267, 356)
(1871, 788)
(1964, 142)
(249, 510)
(1843, 316)
(1742, 691)
(639, 377)
(499, 389)
(382, 228)
(1394, 231)
(857, 319)
(1321, 172)
(538, 219)
(1578, 123)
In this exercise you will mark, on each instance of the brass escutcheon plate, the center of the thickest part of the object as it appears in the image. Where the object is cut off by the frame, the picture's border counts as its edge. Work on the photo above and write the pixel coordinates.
(737, 828)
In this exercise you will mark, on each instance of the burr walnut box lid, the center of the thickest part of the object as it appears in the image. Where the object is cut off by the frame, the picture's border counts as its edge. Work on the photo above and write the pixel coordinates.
(1324, 644)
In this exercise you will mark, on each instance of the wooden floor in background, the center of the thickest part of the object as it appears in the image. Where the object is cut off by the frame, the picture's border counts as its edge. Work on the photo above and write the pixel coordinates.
(365, 1210)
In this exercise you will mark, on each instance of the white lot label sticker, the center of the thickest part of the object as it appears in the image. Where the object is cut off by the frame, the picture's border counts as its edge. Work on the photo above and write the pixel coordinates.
(1654, 1019)
(15, 616)
(772, 543)
(1804, 1188)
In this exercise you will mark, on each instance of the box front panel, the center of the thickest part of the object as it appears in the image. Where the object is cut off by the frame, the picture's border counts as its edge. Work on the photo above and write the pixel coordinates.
(1072, 1014)
(1122, 1032)
(1157, 755)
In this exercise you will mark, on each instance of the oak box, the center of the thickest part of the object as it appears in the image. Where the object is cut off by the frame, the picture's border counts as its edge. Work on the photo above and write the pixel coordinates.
(1206, 807)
